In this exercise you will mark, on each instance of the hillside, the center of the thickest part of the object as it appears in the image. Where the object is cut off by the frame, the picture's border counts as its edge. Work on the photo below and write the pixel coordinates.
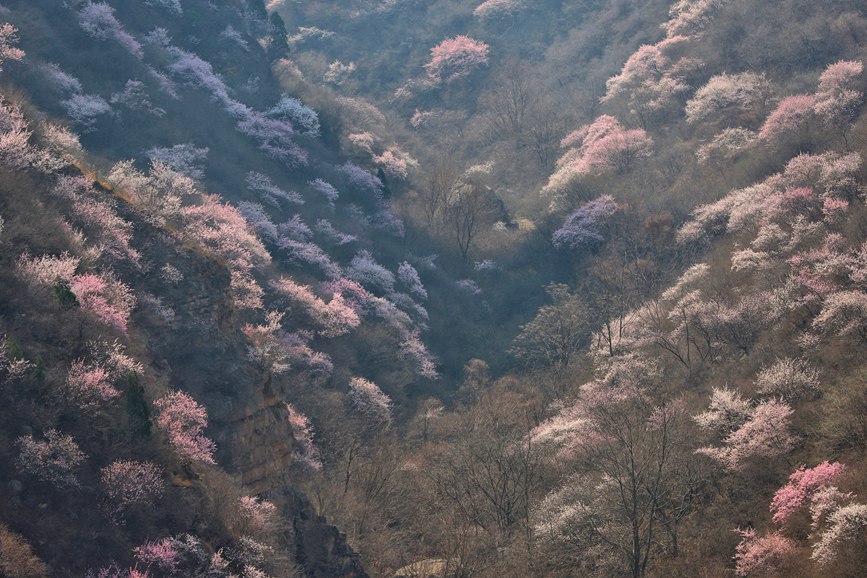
(401, 288)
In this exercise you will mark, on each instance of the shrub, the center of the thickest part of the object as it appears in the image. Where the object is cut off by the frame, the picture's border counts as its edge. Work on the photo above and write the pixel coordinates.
(53, 460)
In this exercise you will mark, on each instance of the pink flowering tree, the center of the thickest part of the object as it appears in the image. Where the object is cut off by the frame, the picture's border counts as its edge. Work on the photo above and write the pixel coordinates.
(803, 484)
(333, 318)
(15, 149)
(182, 420)
(266, 343)
(395, 163)
(223, 230)
(414, 350)
(789, 379)
(259, 514)
(97, 20)
(362, 179)
(12, 367)
(109, 299)
(186, 159)
(304, 452)
(369, 400)
(368, 272)
(727, 412)
(47, 270)
(8, 39)
(332, 235)
(326, 189)
(624, 509)
(838, 100)
(303, 118)
(738, 98)
(585, 225)
(271, 193)
(492, 9)
(843, 313)
(98, 218)
(127, 484)
(162, 555)
(456, 58)
(764, 435)
(844, 533)
(691, 17)
(790, 119)
(54, 459)
(89, 385)
(763, 555)
(602, 146)
(409, 278)
(653, 79)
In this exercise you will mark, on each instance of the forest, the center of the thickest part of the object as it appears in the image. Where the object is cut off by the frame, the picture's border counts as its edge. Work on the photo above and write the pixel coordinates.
(433, 288)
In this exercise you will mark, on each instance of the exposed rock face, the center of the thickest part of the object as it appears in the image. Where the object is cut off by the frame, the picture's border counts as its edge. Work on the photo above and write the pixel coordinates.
(320, 548)
(205, 353)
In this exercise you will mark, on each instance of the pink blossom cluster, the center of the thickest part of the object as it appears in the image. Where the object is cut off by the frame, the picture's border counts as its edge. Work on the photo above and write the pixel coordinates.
(135, 98)
(271, 193)
(369, 400)
(412, 348)
(15, 149)
(46, 270)
(158, 553)
(788, 379)
(836, 103)
(182, 420)
(802, 485)
(456, 58)
(845, 529)
(326, 189)
(11, 368)
(302, 432)
(265, 346)
(368, 272)
(691, 17)
(395, 163)
(363, 141)
(96, 213)
(333, 318)
(792, 116)
(332, 235)
(408, 276)
(274, 134)
(584, 225)
(97, 19)
(362, 179)
(764, 435)
(257, 512)
(729, 98)
(310, 254)
(223, 230)
(8, 38)
(652, 77)
(106, 297)
(762, 555)
(128, 483)
(491, 9)
(89, 385)
(278, 349)
(837, 99)
(54, 459)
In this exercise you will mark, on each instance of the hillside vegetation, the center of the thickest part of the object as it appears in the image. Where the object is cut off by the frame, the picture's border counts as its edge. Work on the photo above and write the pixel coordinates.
(402, 288)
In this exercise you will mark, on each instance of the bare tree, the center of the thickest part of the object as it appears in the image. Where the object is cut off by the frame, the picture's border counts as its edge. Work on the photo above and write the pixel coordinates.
(557, 333)
(472, 208)
(440, 183)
